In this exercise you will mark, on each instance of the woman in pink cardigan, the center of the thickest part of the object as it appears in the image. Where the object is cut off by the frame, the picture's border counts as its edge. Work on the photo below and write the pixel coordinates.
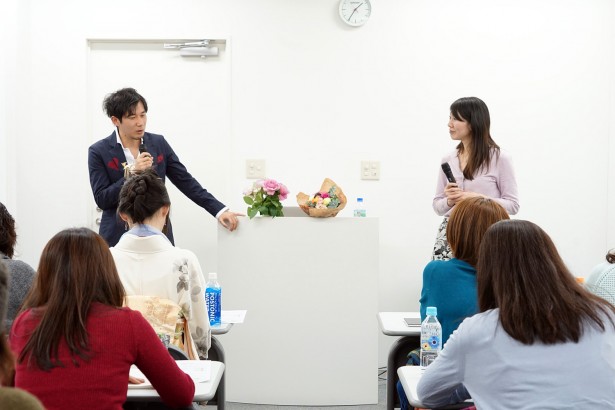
(478, 165)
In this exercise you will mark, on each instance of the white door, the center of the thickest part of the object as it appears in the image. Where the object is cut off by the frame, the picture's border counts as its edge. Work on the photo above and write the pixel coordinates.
(189, 103)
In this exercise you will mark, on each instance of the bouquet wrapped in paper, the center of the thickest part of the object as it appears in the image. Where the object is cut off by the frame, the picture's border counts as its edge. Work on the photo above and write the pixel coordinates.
(328, 201)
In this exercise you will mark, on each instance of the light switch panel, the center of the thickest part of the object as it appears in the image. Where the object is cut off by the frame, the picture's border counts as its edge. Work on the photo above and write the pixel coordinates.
(370, 170)
(255, 168)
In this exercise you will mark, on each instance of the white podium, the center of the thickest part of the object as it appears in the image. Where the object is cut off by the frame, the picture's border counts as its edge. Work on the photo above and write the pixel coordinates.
(310, 286)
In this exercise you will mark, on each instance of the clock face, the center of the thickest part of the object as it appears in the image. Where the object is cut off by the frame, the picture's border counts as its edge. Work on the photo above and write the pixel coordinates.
(355, 12)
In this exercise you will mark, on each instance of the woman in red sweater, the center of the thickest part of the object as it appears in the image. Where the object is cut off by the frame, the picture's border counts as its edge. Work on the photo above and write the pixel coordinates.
(75, 343)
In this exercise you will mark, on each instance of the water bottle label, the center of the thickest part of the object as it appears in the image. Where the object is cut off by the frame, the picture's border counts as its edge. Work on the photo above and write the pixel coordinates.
(431, 338)
(212, 299)
(432, 343)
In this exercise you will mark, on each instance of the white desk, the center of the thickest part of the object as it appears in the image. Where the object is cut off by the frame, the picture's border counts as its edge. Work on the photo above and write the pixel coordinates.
(202, 391)
(409, 377)
(221, 329)
(393, 324)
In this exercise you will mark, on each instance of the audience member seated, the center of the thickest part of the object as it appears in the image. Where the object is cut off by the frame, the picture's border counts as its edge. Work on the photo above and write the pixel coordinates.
(540, 341)
(602, 279)
(450, 285)
(75, 343)
(21, 274)
(10, 398)
(147, 262)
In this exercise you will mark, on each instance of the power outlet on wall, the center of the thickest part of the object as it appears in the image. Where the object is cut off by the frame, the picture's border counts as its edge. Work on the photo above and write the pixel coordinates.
(255, 168)
(370, 170)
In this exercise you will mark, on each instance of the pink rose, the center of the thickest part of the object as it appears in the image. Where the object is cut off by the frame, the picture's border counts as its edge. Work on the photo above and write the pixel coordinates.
(283, 192)
(270, 186)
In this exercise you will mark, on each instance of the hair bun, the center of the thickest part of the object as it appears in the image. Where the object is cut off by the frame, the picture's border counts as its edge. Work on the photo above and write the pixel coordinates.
(141, 186)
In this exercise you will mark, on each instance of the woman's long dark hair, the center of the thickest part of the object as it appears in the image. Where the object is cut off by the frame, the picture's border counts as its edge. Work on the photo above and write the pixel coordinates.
(520, 272)
(475, 112)
(76, 269)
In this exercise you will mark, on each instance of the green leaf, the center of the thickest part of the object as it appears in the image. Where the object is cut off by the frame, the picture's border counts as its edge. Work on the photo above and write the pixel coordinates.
(248, 200)
(252, 212)
(272, 210)
(263, 210)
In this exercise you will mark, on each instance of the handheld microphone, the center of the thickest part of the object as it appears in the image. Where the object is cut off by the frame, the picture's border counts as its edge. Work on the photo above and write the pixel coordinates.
(142, 147)
(449, 174)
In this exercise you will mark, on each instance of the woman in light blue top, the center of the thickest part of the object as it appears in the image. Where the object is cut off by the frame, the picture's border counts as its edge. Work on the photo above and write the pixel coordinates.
(601, 281)
(540, 341)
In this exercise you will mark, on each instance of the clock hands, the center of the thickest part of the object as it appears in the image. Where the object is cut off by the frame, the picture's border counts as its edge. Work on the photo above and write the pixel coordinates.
(353, 11)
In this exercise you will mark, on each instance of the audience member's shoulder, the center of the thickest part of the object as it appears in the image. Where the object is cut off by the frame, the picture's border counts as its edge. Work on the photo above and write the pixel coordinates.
(17, 399)
(18, 266)
(135, 319)
(188, 254)
(25, 318)
(437, 266)
(600, 269)
(482, 321)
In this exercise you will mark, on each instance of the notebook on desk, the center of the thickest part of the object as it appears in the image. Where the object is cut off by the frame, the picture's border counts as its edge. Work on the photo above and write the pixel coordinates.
(198, 370)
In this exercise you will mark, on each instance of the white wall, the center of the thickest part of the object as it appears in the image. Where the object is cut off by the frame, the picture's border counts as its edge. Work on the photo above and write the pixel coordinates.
(313, 97)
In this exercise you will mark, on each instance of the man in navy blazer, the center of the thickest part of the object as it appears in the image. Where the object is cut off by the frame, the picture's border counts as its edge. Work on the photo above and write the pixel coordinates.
(130, 149)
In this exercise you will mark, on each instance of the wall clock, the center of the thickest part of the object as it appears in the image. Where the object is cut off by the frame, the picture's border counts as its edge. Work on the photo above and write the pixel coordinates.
(355, 13)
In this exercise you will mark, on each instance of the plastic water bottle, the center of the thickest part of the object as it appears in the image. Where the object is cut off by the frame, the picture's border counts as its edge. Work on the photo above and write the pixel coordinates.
(431, 337)
(360, 211)
(213, 298)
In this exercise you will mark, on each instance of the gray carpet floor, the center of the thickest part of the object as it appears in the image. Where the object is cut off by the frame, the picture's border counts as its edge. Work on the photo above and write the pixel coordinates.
(380, 406)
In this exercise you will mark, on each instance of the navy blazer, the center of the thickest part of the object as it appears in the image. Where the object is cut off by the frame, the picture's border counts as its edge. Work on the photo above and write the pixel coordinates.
(105, 159)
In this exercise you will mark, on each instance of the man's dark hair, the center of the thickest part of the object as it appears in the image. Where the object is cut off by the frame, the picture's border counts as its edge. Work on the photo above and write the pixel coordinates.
(8, 236)
(123, 103)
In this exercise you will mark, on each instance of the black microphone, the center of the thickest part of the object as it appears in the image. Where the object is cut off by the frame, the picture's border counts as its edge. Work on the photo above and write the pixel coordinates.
(143, 149)
(449, 174)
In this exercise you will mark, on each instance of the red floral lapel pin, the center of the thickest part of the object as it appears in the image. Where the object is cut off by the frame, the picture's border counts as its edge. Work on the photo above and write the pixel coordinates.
(159, 158)
(114, 164)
